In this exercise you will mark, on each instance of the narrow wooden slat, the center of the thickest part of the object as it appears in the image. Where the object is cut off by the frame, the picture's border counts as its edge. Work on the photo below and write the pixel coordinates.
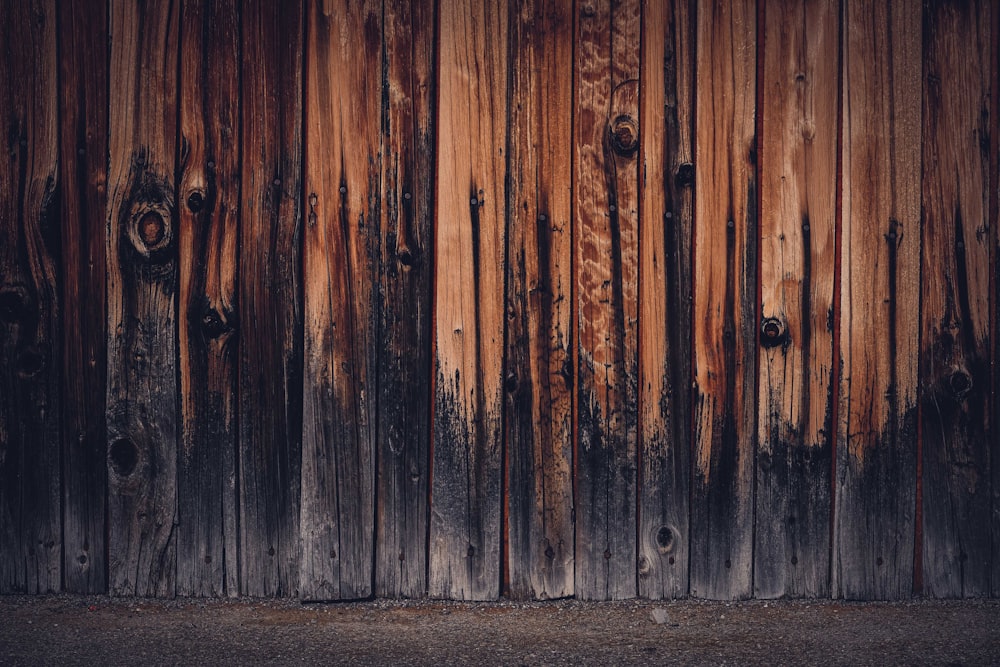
(879, 305)
(342, 172)
(606, 199)
(208, 209)
(270, 302)
(539, 374)
(469, 300)
(798, 150)
(402, 487)
(957, 427)
(995, 294)
(142, 284)
(30, 344)
(83, 148)
(725, 317)
(667, 199)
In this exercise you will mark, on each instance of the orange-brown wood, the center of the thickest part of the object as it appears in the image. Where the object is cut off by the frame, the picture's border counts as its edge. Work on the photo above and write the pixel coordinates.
(879, 301)
(957, 427)
(666, 200)
(798, 152)
(539, 375)
(725, 297)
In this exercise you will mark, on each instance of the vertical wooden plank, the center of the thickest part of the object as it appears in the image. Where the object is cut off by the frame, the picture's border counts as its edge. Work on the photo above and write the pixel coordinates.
(342, 113)
(270, 302)
(798, 151)
(667, 200)
(30, 362)
(606, 268)
(539, 374)
(880, 291)
(209, 205)
(142, 283)
(469, 258)
(956, 422)
(83, 172)
(994, 225)
(725, 266)
(402, 490)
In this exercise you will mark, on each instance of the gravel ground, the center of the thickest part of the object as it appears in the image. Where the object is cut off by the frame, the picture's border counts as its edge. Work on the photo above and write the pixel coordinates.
(76, 630)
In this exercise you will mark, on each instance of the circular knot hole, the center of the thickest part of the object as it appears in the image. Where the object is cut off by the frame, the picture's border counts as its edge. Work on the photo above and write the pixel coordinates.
(961, 384)
(124, 457)
(772, 332)
(625, 135)
(196, 201)
(152, 229)
(664, 539)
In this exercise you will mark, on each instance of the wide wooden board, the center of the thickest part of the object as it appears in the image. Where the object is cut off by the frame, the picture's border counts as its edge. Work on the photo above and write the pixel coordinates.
(798, 152)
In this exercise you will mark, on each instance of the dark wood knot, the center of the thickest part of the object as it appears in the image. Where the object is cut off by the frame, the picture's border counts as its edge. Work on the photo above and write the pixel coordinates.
(685, 175)
(961, 384)
(625, 135)
(150, 230)
(123, 456)
(772, 332)
(664, 539)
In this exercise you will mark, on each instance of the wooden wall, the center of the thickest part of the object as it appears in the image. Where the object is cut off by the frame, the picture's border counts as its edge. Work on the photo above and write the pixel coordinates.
(538, 298)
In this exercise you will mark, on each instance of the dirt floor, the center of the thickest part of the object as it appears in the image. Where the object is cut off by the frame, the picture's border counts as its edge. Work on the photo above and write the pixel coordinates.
(67, 630)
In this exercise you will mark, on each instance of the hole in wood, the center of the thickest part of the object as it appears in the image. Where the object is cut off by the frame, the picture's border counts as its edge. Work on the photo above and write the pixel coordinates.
(772, 332)
(664, 539)
(685, 175)
(196, 201)
(961, 384)
(625, 135)
(124, 456)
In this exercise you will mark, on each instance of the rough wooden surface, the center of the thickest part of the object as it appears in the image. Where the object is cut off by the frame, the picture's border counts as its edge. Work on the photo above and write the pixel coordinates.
(83, 171)
(879, 301)
(209, 204)
(270, 301)
(798, 152)
(539, 374)
(142, 285)
(30, 344)
(957, 427)
(403, 352)
(342, 172)
(606, 265)
(469, 300)
(725, 297)
(667, 197)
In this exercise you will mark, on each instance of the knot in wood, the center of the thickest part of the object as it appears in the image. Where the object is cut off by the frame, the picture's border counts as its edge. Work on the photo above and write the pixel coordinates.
(196, 201)
(772, 332)
(15, 305)
(961, 384)
(664, 539)
(123, 456)
(685, 175)
(30, 362)
(150, 230)
(625, 135)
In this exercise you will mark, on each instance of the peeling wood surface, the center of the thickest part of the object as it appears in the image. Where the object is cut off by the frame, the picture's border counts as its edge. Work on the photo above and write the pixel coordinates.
(798, 151)
(30, 345)
(83, 172)
(270, 301)
(725, 312)
(667, 205)
(879, 302)
(606, 211)
(539, 374)
(143, 419)
(402, 437)
(957, 426)
(470, 234)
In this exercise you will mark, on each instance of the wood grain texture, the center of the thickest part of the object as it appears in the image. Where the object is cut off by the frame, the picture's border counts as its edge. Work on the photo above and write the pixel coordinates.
(83, 173)
(342, 173)
(798, 151)
(667, 200)
(725, 313)
(30, 318)
(994, 225)
(402, 437)
(606, 201)
(539, 374)
(270, 301)
(879, 304)
(469, 254)
(142, 409)
(957, 426)
(208, 212)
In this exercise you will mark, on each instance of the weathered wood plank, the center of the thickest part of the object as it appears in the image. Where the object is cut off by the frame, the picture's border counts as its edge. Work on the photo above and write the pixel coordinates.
(270, 301)
(83, 173)
(605, 187)
(207, 215)
(403, 352)
(667, 199)
(957, 427)
(879, 301)
(539, 373)
(30, 343)
(725, 313)
(342, 173)
(798, 150)
(142, 284)
(994, 225)
(469, 257)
